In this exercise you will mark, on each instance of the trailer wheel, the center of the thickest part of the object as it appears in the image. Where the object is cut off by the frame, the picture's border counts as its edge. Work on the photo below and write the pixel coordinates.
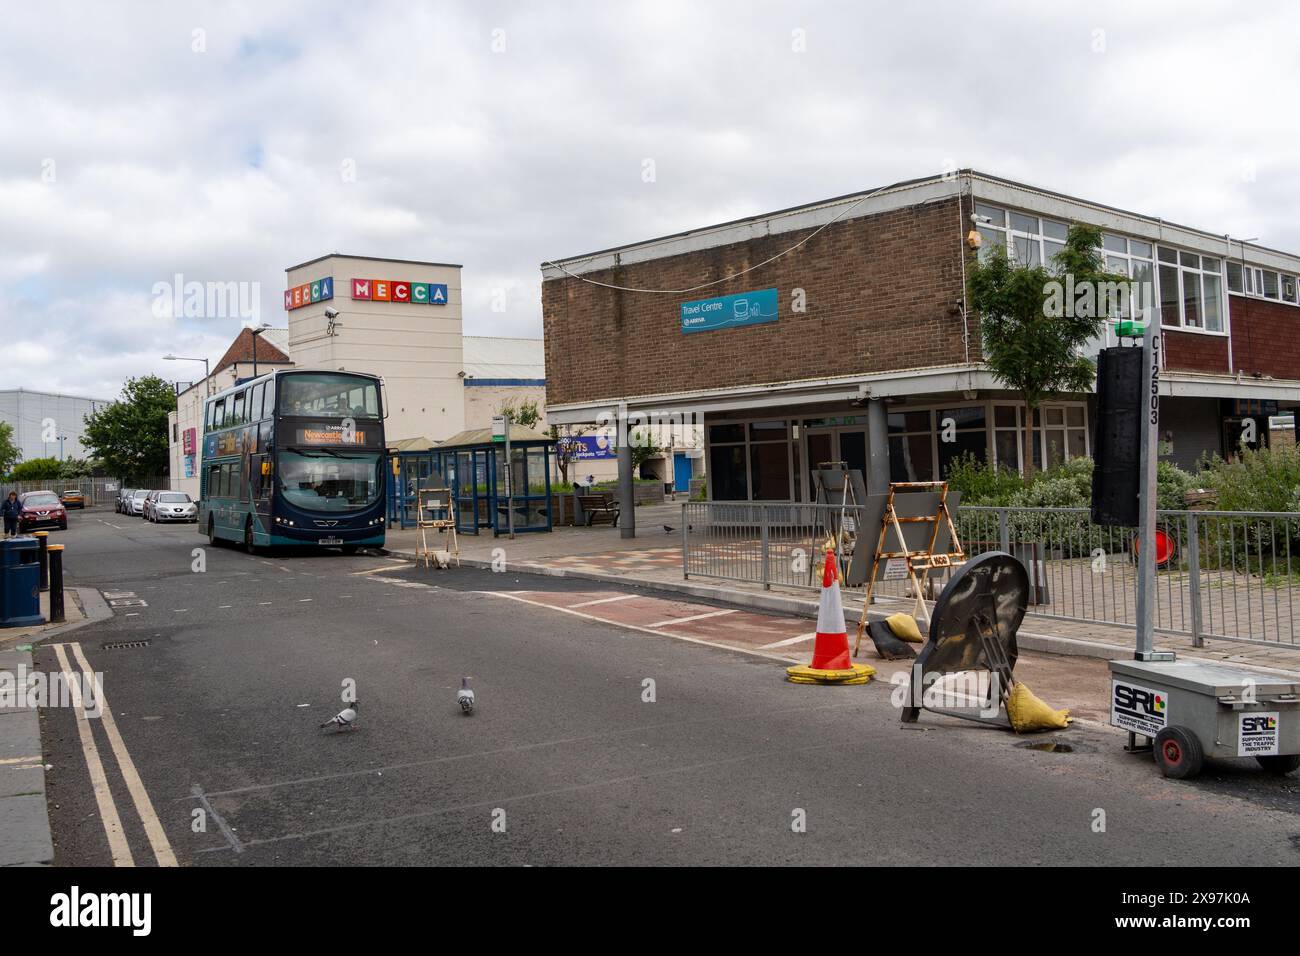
(1178, 753)
(1280, 764)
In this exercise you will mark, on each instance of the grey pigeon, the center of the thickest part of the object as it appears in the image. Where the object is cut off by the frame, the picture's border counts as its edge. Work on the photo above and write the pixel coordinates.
(344, 718)
(465, 696)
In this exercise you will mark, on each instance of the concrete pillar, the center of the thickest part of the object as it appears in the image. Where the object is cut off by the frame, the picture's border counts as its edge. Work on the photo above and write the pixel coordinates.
(626, 495)
(877, 475)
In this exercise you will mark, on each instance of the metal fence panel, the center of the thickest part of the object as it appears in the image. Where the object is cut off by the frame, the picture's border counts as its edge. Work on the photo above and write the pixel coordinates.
(1228, 575)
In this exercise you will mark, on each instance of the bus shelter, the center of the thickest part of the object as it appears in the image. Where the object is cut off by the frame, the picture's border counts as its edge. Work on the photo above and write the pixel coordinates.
(475, 467)
(412, 469)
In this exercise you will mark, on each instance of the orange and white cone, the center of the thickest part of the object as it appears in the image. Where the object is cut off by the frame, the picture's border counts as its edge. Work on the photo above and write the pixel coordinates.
(831, 663)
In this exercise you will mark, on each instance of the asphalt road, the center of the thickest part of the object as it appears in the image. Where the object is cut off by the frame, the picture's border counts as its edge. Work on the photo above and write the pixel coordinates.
(563, 761)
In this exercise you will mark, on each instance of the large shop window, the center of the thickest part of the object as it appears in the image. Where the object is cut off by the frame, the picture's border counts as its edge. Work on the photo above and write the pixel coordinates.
(1030, 240)
(1191, 290)
(910, 440)
(961, 431)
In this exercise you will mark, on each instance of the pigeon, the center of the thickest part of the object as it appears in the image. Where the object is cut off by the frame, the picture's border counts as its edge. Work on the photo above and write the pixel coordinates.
(465, 696)
(344, 718)
(669, 529)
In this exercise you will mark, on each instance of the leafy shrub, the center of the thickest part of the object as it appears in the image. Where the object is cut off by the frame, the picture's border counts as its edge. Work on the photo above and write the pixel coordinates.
(1263, 480)
(981, 482)
(1172, 485)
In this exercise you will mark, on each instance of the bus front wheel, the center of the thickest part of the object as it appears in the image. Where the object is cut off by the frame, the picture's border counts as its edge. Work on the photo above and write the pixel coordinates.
(249, 546)
(212, 533)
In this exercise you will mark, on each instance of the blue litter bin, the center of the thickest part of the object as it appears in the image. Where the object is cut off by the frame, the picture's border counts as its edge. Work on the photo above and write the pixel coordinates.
(20, 582)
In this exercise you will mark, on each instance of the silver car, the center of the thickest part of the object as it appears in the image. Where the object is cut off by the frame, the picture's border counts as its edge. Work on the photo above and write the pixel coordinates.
(173, 506)
(135, 504)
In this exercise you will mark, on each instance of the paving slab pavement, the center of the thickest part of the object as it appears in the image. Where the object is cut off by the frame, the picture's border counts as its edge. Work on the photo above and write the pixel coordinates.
(653, 560)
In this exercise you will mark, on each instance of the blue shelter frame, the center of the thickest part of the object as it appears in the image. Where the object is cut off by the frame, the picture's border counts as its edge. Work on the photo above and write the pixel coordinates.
(474, 468)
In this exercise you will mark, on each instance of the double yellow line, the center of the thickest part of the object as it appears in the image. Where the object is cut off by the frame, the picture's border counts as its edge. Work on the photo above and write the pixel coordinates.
(117, 842)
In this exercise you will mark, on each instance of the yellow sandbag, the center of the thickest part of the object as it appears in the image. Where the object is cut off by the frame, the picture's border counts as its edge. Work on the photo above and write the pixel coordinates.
(904, 628)
(1027, 712)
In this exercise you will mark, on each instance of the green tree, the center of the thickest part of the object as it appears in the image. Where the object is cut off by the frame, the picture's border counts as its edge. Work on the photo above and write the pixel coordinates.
(1031, 343)
(73, 468)
(644, 446)
(130, 434)
(36, 469)
(566, 452)
(9, 453)
(524, 412)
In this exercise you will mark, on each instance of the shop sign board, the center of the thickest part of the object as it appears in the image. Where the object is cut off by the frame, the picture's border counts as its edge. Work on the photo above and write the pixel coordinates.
(730, 311)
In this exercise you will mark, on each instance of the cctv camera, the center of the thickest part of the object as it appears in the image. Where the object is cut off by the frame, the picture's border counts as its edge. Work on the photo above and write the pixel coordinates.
(976, 217)
(331, 313)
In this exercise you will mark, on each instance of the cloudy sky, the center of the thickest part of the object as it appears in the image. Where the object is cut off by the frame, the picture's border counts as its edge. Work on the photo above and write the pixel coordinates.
(226, 141)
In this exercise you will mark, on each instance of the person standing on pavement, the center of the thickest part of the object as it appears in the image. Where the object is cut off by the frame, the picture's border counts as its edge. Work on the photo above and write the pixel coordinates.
(11, 509)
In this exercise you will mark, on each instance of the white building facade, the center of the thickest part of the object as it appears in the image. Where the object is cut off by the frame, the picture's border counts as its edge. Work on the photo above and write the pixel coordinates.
(396, 318)
(47, 424)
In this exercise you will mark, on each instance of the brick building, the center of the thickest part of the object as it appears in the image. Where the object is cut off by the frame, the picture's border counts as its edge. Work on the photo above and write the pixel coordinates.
(856, 345)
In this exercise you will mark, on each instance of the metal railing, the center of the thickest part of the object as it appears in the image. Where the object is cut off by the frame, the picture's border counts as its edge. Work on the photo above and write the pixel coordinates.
(98, 491)
(1224, 574)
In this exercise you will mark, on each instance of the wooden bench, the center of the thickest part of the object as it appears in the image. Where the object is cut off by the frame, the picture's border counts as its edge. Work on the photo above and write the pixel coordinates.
(598, 506)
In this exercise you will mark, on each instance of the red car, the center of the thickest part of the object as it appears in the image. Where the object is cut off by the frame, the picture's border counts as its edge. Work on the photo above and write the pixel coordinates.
(41, 509)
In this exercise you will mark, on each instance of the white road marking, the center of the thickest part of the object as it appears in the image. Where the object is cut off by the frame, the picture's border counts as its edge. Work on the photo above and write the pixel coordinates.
(222, 607)
(374, 570)
(693, 617)
(790, 640)
(162, 849)
(607, 600)
(303, 600)
(117, 844)
(636, 627)
(263, 602)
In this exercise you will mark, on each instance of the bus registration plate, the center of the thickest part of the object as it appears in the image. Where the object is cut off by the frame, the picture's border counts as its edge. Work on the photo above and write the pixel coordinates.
(329, 541)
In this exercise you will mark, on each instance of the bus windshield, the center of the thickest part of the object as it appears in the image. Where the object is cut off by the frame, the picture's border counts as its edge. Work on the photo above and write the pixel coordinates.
(328, 480)
(328, 395)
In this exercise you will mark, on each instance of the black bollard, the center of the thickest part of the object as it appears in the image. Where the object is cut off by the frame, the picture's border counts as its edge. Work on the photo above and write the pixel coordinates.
(56, 584)
(44, 538)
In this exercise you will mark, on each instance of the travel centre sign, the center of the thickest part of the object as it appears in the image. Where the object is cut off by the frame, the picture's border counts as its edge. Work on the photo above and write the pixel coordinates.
(728, 311)
(399, 290)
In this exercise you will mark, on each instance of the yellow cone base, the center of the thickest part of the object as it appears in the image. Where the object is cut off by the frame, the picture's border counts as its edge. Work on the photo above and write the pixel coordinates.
(853, 674)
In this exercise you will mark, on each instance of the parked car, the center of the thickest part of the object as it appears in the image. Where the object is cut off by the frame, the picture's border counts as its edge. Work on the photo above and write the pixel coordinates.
(41, 509)
(73, 498)
(135, 504)
(123, 496)
(146, 506)
(172, 506)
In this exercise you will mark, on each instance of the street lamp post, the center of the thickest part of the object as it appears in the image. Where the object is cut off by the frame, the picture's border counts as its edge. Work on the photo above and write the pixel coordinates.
(207, 375)
(256, 332)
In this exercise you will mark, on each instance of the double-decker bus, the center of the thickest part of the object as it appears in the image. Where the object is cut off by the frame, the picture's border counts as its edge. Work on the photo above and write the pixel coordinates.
(295, 457)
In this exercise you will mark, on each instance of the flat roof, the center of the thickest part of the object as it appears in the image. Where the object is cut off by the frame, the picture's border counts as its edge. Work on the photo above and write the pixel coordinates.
(951, 177)
(344, 255)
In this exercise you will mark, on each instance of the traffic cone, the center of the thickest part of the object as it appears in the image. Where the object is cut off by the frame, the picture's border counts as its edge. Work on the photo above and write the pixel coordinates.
(831, 663)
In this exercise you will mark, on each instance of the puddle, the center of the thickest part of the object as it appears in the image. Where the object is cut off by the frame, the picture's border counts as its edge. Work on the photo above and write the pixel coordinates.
(1048, 747)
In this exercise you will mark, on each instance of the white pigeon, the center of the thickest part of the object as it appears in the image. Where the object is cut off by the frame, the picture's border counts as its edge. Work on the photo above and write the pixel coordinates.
(344, 718)
(465, 696)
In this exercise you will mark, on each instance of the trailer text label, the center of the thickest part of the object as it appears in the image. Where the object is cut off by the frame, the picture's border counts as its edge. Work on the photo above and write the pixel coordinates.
(1257, 734)
(1139, 709)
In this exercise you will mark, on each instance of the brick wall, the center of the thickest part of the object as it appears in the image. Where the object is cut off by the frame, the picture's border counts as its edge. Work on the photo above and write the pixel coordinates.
(1265, 337)
(878, 293)
(1195, 352)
